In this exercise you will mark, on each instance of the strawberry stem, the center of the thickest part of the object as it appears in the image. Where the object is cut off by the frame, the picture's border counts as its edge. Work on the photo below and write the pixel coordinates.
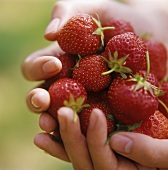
(107, 28)
(100, 29)
(163, 104)
(148, 67)
(110, 71)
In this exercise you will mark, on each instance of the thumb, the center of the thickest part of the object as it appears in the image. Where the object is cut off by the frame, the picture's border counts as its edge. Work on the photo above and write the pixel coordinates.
(60, 15)
(140, 148)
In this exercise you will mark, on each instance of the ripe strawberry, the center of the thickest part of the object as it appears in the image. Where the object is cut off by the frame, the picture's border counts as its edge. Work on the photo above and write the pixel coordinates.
(164, 98)
(66, 92)
(131, 100)
(121, 26)
(84, 116)
(129, 52)
(68, 62)
(158, 57)
(89, 73)
(82, 34)
(155, 126)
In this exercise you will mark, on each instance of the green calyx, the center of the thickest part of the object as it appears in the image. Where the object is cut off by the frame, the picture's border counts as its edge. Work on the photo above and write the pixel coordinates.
(117, 65)
(100, 29)
(120, 127)
(142, 81)
(143, 84)
(76, 105)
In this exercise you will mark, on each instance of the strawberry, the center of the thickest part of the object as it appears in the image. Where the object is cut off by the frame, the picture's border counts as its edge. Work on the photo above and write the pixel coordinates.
(163, 97)
(66, 92)
(68, 62)
(82, 34)
(158, 57)
(132, 100)
(155, 126)
(89, 73)
(121, 26)
(126, 53)
(84, 116)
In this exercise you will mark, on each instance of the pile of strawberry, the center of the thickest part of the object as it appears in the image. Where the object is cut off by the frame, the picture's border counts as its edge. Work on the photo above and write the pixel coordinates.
(111, 68)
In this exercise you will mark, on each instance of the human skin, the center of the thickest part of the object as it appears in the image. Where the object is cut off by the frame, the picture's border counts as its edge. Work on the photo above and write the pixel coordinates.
(42, 64)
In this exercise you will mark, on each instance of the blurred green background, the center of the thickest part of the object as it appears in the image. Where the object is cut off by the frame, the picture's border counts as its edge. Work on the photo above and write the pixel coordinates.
(22, 24)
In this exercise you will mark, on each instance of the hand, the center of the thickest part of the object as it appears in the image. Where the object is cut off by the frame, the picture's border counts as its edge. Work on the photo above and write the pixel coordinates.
(92, 152)
(35, 61)
(42, 64)
(35, 66)
(144, 16)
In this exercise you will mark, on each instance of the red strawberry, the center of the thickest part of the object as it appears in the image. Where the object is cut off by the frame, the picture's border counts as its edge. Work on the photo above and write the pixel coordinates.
(158, 57)
(82, 34)
(131, 100)
(66, 92)
(84, 116)
(164, 97)
(155, 126)
(89, 73)
(121, 26)
(68, 62)
(126, 51)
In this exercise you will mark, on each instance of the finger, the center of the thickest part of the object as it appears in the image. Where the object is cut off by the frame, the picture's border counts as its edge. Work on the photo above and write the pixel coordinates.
(126, 164)
(44, 142)
(38, 100)
(47, 123)
(151, 152)
(101, 154)
(74, 141)
(62, 12)
(42, 64)
(141, 167)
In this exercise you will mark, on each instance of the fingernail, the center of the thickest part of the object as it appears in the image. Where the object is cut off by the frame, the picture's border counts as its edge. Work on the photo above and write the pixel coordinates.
(61, 119)
(53, 25)
(34, 102)
(93, 119)
(121, 143)
(65, 117)
(50, 67)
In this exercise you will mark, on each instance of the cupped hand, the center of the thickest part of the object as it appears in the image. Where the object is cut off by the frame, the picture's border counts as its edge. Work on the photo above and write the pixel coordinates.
(43, 64)
(92, 152)
(140, 148)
